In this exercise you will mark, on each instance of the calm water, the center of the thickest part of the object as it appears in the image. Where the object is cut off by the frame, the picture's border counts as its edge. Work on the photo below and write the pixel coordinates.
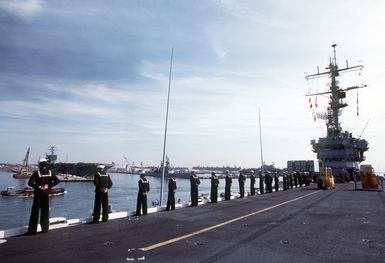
(79, 200)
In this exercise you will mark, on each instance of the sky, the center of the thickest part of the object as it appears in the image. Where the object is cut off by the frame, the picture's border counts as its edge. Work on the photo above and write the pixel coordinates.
(91, 78)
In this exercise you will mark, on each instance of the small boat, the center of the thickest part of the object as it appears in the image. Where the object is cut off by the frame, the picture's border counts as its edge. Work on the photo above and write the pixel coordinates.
(23, 173)
(204, 198)
(73, 178)
(28, 192)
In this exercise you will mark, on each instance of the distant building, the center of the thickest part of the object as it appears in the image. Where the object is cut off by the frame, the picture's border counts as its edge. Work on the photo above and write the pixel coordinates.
(300, 166)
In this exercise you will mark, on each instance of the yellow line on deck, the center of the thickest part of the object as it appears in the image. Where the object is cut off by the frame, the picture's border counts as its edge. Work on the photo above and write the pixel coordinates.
(173, 240)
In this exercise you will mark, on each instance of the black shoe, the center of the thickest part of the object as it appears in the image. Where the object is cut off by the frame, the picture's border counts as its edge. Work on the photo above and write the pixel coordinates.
(29, 233)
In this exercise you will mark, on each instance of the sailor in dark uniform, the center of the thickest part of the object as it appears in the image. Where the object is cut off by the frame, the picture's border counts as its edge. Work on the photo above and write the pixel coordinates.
(194, 182)
(103, 183)
(171, 192)
(214, 188)
(287, 181)
(261, 185)
(284, 179)
(228, 182)
(268, 182)
(252, 183)
(276, 182)
(291, 180)
(144, 188)
(300, 178)
(241, 181)
(307, 178)
(296, 175)
(41, 181)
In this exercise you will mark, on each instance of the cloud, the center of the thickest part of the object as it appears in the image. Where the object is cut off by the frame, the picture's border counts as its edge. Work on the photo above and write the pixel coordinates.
(94, 91)
(24, 8)
(251, 12)
(54, 108)
(220, 51)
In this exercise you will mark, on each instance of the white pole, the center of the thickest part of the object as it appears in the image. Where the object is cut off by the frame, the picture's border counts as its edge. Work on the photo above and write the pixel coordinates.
(165, 133)
(260, 141)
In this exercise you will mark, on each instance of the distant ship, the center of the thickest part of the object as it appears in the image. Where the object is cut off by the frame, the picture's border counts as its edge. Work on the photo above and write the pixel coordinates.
(86, 170)
(178, 172)
(339, 149)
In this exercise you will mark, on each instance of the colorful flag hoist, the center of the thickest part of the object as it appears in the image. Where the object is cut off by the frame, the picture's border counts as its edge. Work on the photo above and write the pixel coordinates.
(314, 115)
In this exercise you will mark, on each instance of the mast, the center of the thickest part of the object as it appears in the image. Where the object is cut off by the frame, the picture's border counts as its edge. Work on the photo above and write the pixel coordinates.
(165, 132)
(260, 141)
(337, 94)
(51, 157)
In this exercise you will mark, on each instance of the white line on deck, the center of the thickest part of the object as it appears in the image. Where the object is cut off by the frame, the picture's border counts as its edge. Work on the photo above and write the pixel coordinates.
(173, 240)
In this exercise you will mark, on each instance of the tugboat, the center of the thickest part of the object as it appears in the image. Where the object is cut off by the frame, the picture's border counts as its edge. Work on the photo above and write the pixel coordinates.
(28, 192)
(339, 150)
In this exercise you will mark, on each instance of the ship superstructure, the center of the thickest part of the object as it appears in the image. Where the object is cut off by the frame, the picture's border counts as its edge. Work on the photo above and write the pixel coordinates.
(339, 149)
(51, 157)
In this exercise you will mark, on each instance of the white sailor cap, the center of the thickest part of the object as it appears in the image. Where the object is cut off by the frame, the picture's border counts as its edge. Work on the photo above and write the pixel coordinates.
(100, 166)
(43, 160)
(227, 171)
(171, 172)
(142, 173)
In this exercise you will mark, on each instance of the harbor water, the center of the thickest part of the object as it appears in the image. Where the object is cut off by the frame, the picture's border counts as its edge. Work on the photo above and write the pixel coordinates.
(79, 200)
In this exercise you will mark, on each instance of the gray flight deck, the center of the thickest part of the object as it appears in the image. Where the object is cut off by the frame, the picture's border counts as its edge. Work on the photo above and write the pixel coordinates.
(298, 225)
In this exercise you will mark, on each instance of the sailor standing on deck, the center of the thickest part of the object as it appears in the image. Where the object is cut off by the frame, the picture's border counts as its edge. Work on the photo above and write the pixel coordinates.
(261, 185)
(283, 181)
(252, 183)
(171, 192)
(296, 174)
(268, 182)
(214, 188)
(194, 182)
(103, 183)
(291, 184)
(241, 181)
(144, 188)
(276, 182)
(228, 183)
(41, 181)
